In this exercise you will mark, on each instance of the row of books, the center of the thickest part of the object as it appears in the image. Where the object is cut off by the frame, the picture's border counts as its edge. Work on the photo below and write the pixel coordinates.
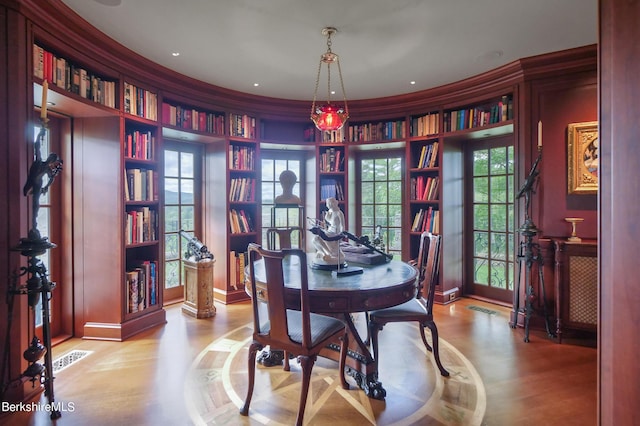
(424, 188)
(331, 160)
(73, 78)
(141, 185)
(479, 116)
(139, 144)
(142, 285)
(428, 156)
(331, 188)
(192, 119)
(237, 264)
(240, 221)
(141, 225)
(333, 136)
(242, 157)
(426, 220)
(242, 125)
(425, 125)
(242, 189)
(377, 131)
(140, 102)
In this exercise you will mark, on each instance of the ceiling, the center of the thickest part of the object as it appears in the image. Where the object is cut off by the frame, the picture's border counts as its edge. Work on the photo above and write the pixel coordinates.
(383, 45)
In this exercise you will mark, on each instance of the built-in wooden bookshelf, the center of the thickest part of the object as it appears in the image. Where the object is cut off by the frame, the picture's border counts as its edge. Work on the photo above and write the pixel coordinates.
(242, 215)
(424, 124)
(242, 125)
(191, 119)
(480, 115)
(115, 164)
(435, 172)
(423, 183)
(140, 102)
(331, 176)
(74, 79)
(143, 212)
(377, 131)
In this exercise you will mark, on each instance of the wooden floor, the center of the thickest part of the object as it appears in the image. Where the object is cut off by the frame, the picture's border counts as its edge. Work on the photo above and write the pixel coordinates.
(142, 381)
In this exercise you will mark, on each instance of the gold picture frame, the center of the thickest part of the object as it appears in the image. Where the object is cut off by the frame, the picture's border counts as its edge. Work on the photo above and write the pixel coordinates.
(583, 157)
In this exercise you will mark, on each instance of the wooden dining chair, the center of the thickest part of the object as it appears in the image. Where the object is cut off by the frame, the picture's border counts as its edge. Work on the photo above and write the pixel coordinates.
(282, 238)
(297, 332)
(420, 309)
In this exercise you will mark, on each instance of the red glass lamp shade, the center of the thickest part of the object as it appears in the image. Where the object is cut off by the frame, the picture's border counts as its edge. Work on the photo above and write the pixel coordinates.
(329, 117)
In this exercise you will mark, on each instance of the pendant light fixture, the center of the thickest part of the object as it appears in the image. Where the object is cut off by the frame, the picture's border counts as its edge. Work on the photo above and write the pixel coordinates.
(329, 116)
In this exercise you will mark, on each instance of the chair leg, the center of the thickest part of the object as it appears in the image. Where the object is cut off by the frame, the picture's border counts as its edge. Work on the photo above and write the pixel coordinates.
(436, 352)
(343, 358)
(286, 361)
(253, 350)
(306, 362)
(424, 338)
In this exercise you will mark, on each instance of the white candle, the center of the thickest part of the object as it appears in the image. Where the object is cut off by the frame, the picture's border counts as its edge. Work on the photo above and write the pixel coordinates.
(540, 134)
(43, 105)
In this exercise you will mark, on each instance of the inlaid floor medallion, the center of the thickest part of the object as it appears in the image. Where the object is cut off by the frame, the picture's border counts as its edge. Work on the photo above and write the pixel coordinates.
(416, 393)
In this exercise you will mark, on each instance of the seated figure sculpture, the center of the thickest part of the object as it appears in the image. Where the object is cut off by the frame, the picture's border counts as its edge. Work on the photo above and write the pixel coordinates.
(329, 252)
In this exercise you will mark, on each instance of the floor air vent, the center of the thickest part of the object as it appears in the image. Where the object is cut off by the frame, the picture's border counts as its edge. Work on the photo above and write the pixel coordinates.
(68, 359)
(480, 309)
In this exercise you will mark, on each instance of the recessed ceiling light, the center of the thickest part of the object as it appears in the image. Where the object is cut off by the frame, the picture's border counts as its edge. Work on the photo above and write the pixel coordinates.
(489, 56)
(256, 84)
(412, 82)
(109, 2)
(175, 54)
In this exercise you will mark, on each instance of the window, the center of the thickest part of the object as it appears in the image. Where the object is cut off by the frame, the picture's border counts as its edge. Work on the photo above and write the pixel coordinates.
(492, 222)
(274, 163)
(380, 198)
(181, 207)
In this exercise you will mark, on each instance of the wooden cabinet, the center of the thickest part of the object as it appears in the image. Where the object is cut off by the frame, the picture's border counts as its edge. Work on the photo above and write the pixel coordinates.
(576, 286)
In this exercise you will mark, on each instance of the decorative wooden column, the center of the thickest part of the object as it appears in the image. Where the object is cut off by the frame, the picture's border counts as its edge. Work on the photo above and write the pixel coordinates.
(198, 288)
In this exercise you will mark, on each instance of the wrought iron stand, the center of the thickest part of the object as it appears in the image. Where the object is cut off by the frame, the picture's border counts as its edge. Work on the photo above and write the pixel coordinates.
(37, 287)
(528, 255)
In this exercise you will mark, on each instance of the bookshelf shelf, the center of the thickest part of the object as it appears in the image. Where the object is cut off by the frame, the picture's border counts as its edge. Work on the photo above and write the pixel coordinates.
(74, 79)
(190, 119)
(377, 131)
(331, 176)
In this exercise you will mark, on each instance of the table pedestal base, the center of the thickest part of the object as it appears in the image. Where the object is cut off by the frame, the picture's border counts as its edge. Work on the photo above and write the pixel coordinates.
(368, 383)
(270, 358)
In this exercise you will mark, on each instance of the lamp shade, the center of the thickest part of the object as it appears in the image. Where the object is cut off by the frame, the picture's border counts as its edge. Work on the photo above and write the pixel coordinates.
(329, 117)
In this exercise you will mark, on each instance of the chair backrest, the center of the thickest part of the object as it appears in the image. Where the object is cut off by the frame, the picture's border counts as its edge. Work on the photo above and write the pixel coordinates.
(283, 238)
(273, 330)
(428, 263)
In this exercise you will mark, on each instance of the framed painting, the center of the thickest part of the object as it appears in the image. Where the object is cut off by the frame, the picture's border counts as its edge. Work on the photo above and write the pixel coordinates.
(582, 154)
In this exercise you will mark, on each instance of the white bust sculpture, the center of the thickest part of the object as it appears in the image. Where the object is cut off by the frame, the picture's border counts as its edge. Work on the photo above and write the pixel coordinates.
(288, 180)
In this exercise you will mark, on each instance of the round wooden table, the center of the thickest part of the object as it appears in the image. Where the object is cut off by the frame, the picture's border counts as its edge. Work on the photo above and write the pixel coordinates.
(377, 287)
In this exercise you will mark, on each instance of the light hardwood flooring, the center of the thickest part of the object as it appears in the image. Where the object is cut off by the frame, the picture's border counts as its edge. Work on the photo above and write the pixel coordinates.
(142, 381)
